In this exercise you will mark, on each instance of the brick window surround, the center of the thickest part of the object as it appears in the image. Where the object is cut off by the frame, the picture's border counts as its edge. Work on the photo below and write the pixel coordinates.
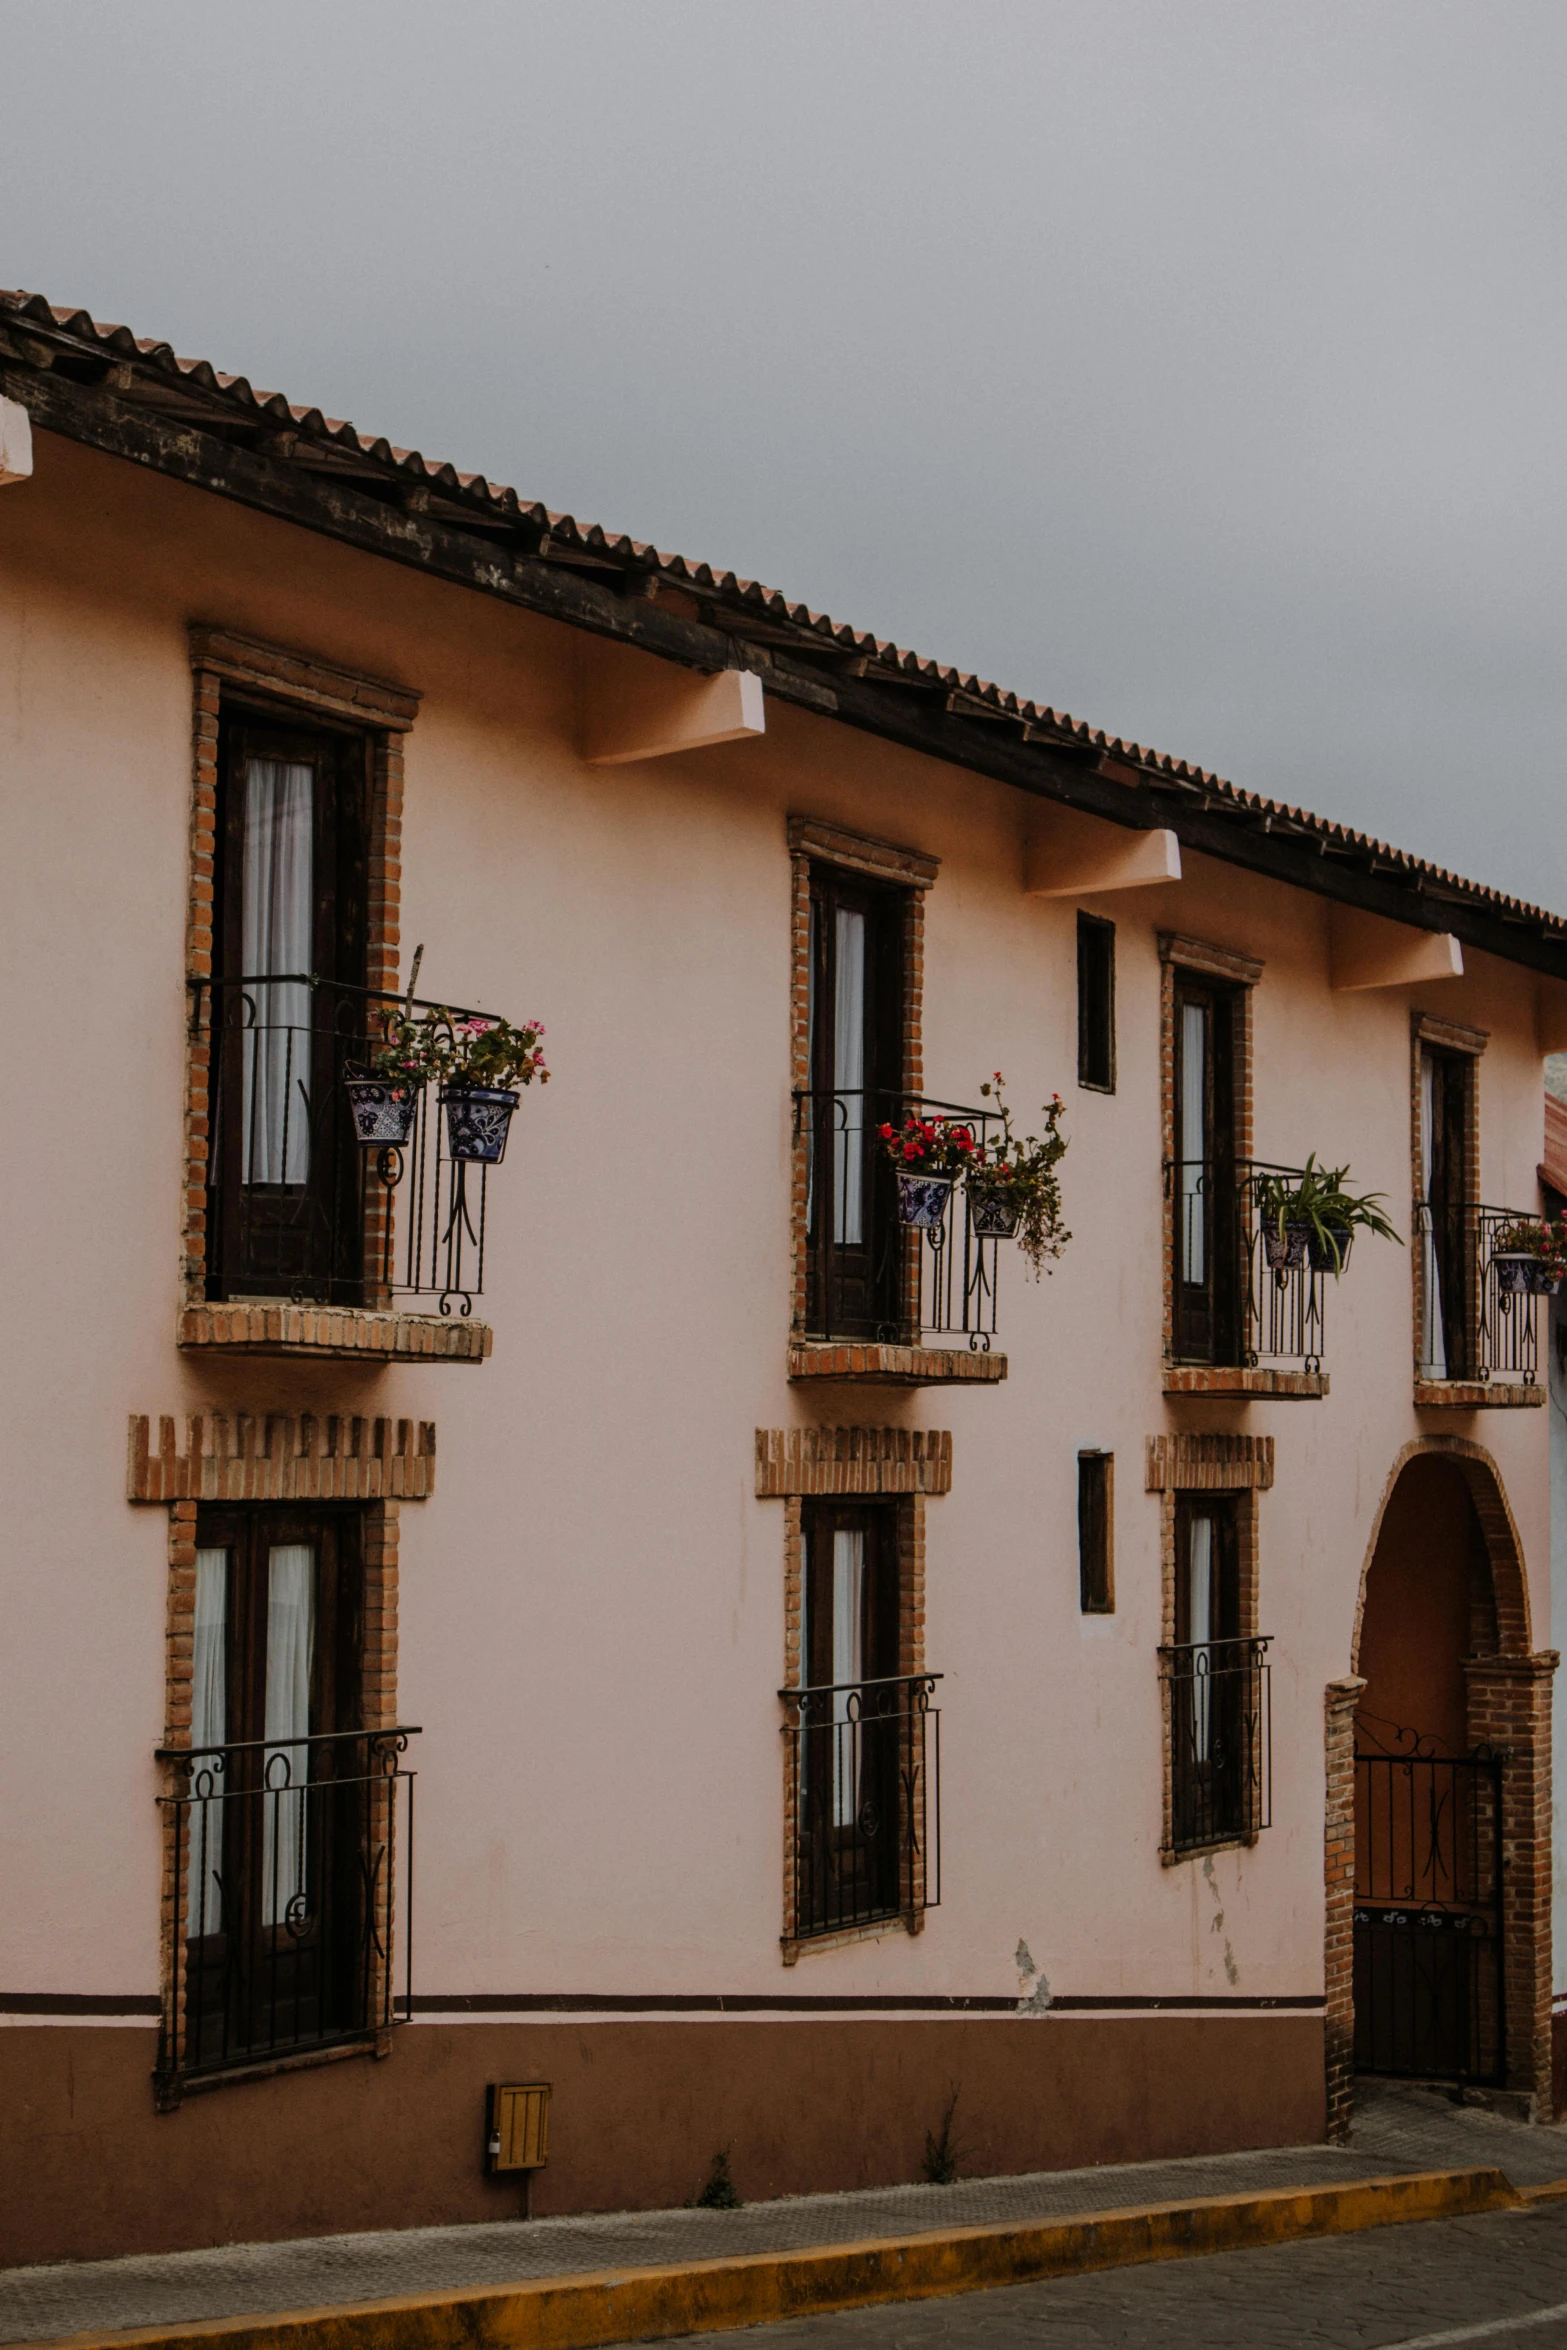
(1450, 1037)
(792, 1464)
(814, 842)
(275, 1456)
(1179, 953)
(1237, 1465)
(1509, 1707)
(224, 665)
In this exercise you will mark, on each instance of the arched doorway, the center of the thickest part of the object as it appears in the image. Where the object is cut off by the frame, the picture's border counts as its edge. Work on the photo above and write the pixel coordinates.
(1438, 1953)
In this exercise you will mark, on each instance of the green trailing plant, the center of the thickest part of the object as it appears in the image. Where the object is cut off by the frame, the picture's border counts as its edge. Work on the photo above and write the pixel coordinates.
(940, 2164)
(1021, 1171)
(720, 2193)
(438, 1047)
(1317, 1199)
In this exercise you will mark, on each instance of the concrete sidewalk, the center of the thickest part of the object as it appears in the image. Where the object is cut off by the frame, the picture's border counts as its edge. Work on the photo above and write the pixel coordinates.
(1397, 2131)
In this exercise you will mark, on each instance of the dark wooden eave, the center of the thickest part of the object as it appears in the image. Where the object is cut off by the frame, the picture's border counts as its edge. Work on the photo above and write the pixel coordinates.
(266, 462)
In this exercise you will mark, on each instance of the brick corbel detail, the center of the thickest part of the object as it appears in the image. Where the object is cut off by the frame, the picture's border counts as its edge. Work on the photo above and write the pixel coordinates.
(1510, 1709)
(810, 837)
(279, 1456)
(1210, 1464)
(852, 1461)
(301, 678)
(1338, 1873)
(1200, 954)
(1447, 1035)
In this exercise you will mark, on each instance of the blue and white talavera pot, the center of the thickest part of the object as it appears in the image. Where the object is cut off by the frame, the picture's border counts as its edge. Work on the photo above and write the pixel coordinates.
(477, 1120)
(383, 1113)
(922, 1199)
(993, 1215)
(1522, 1275)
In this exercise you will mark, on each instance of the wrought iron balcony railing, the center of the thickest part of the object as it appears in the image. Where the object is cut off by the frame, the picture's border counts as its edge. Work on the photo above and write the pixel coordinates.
(297, 1207)
(869, 1276)
(865, 1788)
(291, 1885)
(1221, 1740)
(1241, 1297)
(1475, 1322)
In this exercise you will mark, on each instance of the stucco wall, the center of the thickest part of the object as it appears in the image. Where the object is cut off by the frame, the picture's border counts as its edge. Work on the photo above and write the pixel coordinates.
(592, 1602)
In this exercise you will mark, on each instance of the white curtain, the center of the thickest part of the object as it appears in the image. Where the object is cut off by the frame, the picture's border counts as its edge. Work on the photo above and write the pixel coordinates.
(1199, 1631)
(848, 1076)
(848, 1662)
(1433, 1345)
(208, 1727)
(291, 1632)
(278, 902)
(1192, 1142)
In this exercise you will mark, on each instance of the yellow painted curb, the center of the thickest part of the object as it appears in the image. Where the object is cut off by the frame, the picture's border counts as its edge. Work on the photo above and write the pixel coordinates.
(607, 2306)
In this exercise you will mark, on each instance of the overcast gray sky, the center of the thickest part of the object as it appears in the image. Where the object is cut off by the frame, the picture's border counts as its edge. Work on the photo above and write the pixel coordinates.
(1195, 367)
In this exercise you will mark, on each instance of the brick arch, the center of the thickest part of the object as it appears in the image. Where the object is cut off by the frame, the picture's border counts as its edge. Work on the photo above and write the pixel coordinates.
(1510, 1584)
(1509, 1695)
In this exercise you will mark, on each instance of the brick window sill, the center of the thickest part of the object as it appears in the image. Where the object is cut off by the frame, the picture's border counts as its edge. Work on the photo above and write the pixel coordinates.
(173, 2089)
(1171, 1856)
(1223, 1379)
(895, 1366)
(333, 1333)
(797, 1946)
(1477, 1395)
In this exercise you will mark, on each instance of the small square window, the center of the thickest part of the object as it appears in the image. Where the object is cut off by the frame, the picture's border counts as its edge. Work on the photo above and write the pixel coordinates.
(1095, 1532)
(1095, 1003)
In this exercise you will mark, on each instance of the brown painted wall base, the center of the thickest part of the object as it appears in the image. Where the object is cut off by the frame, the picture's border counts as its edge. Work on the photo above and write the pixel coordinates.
(640, 2109)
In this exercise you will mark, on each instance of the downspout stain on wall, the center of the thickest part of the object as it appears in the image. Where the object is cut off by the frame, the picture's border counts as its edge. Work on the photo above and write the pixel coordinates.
(1216, 1923)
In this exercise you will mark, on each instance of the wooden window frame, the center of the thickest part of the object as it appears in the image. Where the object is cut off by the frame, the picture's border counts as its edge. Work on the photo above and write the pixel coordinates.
(1096, 1533)
(294, 690)
(1095, 934)
(815, 841)
(1239, 1468)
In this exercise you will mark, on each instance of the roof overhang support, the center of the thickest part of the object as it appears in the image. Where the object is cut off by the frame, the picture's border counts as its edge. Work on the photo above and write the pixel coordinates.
(1365, 951)
(16, 443)
(635, 707)
(1078, 777)
(1070, 855)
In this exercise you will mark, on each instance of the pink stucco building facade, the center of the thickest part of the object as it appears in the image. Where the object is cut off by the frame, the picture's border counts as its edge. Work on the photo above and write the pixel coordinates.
(1094, 1574)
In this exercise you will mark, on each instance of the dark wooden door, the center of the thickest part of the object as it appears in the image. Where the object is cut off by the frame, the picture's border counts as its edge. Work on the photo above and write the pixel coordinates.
(1451, 1267)
(857, 989)
(288, 1010)
(1206, 1272)
(855, 1725)
(274, 1900)
(1211, 1694)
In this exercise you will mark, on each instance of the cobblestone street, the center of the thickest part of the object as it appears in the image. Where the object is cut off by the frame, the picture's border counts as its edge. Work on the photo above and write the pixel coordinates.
(1497, 2280)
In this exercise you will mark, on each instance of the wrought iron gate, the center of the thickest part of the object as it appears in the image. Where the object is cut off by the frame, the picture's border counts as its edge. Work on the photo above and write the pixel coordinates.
(1428, 1911)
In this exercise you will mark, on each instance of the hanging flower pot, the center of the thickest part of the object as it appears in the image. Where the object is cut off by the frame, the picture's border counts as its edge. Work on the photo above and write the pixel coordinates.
(994, 1213)
(1522, 1274)
(1285, 1250)
(922, 1198)
(1328, 1250)
(477, 1120)
(383, 1113)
